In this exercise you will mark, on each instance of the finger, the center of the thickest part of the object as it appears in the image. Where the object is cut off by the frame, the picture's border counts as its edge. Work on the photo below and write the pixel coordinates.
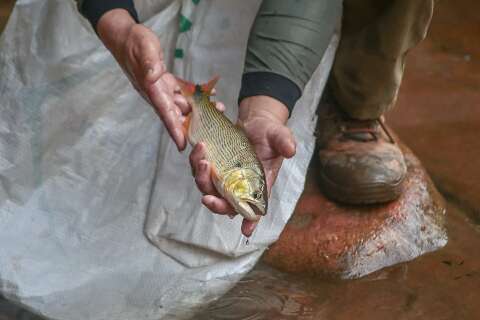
(220, 106)
(218, 205)
(166, 109)
(152, 71)
(171, 81)
(177, 89)
(203, 178)
(197, 154)
(248, 227)
(281, 140)
(182, 103)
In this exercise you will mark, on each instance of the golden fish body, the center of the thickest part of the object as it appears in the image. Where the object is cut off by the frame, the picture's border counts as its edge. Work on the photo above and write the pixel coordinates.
(236, 172)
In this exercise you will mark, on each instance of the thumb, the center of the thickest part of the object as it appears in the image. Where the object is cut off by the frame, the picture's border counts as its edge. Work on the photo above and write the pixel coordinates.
(281, 139)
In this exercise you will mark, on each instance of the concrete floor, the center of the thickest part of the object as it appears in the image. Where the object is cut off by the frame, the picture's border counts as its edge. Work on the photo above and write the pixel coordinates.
(438, 117)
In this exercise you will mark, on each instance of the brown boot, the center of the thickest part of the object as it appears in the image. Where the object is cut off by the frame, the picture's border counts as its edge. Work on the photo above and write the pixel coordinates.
(359, 161)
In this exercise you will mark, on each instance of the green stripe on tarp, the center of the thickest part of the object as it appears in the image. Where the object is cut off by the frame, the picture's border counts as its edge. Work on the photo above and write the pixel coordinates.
(195, 1)
(185, 24)
(179, 53)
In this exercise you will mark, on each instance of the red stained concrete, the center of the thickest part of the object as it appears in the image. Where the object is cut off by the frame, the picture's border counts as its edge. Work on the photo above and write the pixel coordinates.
(327, 238)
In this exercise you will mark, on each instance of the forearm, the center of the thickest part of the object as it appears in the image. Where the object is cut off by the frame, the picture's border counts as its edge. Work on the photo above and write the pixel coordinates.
(93, 10)
(286, 44)
(113, 28)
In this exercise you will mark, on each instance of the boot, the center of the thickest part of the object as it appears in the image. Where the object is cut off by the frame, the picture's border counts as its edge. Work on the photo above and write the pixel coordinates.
(359, 160)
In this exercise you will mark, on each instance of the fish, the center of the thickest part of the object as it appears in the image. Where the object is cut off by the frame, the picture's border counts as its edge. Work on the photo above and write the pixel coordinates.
(236, 172)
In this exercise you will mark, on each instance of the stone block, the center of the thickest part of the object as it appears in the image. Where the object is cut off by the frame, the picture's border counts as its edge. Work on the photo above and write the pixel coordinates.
(335, 240)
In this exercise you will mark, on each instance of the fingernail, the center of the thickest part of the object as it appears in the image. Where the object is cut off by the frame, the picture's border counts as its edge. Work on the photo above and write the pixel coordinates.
(203, 166)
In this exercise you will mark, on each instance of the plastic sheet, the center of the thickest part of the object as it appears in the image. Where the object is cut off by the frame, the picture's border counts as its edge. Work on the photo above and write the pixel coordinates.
(99, 215)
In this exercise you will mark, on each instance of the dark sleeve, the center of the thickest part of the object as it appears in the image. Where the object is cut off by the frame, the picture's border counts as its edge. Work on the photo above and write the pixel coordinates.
(94, 9)
(286, 44)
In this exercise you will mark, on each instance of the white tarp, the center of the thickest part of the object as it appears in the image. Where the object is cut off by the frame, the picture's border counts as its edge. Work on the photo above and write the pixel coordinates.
(88, 173)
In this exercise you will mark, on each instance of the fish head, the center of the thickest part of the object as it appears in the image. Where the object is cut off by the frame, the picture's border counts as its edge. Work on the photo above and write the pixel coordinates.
(247, 193)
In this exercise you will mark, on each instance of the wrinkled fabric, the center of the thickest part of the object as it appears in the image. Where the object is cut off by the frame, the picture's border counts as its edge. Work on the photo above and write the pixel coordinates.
(99, 214)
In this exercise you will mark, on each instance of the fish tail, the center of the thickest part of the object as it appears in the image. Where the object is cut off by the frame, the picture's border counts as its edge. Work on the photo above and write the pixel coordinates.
(208, 87)
(188, 88)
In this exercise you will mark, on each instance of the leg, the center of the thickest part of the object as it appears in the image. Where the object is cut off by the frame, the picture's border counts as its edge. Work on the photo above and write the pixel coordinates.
(359, 160)
(376, 37)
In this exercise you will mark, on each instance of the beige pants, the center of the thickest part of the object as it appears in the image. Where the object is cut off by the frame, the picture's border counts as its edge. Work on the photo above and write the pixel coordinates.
(376, 36)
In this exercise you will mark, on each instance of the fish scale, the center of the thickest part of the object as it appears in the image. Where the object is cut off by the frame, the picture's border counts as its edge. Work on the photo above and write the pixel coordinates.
(227, 147)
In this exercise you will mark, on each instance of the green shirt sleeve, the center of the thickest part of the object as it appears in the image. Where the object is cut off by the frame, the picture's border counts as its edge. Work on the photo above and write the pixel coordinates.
(288, 39)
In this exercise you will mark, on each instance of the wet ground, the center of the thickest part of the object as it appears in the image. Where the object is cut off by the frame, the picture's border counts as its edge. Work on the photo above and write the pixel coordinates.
(438, 117)
(441, 285)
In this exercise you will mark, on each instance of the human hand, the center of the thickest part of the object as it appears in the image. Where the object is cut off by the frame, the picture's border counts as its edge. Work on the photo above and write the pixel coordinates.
(263, 119)
(138, 52)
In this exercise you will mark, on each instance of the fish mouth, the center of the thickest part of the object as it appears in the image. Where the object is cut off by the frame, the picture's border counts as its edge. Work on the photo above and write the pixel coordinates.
(257, 208)
(251, 211)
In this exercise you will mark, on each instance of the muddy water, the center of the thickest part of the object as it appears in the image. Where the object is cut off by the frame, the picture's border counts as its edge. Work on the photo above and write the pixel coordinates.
(441, 285)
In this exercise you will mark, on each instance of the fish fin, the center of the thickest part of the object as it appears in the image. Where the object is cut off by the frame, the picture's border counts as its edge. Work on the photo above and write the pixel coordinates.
(187, 88)
(208, 87)
(186, 124)
(214, 173)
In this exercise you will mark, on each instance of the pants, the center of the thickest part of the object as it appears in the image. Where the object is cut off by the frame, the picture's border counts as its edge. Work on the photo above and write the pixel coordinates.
(370, 61)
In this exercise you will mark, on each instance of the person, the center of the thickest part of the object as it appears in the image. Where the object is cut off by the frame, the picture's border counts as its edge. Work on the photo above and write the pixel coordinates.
(359, 160)
(84, 213)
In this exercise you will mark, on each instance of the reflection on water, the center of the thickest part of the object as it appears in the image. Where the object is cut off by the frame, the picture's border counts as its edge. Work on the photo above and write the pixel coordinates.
(264, 294)
(441, 285)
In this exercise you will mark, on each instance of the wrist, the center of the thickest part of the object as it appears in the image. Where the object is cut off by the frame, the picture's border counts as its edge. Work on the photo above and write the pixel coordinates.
(262, 107)
(269, 83)
(114, 27)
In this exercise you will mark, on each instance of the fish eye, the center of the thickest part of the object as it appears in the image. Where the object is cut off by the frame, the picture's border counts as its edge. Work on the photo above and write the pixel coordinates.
(256, 195)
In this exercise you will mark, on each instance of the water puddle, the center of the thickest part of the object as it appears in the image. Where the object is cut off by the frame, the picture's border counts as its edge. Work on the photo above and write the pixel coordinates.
(264, 294)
